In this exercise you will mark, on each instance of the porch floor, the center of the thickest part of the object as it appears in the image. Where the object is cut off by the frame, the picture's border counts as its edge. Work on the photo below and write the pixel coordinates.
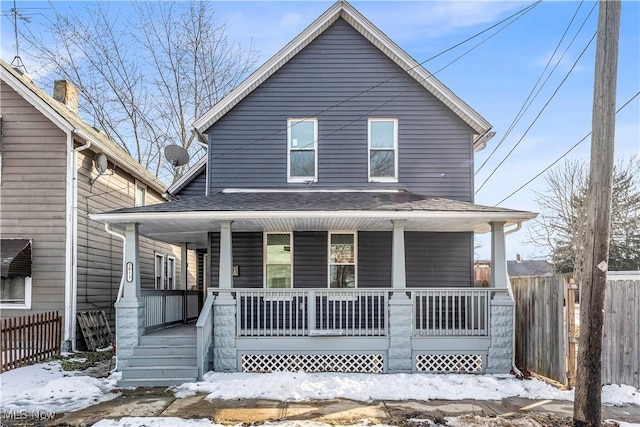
(188, 329)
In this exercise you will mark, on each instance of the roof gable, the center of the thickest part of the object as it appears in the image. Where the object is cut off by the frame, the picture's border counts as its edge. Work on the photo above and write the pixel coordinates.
(345, 11)
(68, 121)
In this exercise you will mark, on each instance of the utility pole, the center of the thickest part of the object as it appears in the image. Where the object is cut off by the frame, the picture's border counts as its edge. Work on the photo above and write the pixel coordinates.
(593, 275)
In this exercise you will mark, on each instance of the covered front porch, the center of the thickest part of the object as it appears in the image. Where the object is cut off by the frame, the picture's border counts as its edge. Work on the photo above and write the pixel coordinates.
(395, 326)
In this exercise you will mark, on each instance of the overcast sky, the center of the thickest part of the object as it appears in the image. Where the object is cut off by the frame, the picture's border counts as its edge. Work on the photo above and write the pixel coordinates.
(494, 78)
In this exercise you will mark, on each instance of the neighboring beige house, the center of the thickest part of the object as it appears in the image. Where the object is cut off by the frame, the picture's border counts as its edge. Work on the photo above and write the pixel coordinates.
(55, 169)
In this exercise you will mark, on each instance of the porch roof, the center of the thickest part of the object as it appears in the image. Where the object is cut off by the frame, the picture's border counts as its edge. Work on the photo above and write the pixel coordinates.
(189, 219)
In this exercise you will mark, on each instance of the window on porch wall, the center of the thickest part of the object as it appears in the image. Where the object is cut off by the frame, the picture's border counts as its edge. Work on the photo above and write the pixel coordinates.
(171, 272)
(278, 260)
(342, 260)
(159, 274)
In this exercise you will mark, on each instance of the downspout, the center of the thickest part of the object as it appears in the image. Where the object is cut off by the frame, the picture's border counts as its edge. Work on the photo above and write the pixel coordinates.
(519, 373)
(74, 232)
(111, 231)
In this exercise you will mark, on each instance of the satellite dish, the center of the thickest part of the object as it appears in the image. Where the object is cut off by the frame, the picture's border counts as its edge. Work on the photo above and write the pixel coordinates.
(100, 162)
(177, 155)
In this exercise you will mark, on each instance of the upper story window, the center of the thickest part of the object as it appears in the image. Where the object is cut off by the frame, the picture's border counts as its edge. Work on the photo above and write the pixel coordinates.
(278, 260)
(383, 150)
(302, 150)
(140, 195)
(342, 260)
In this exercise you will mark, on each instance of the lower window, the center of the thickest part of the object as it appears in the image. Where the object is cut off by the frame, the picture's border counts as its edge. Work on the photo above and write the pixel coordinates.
(342, 260)
(277, 269)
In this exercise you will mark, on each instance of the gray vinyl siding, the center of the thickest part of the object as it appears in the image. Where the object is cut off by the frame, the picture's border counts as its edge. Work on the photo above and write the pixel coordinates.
(99, 253)
(196, 187)
(374, 259)
(33, 197)
(310, 259)
(439, 259)
(248, 145)
(432, 259)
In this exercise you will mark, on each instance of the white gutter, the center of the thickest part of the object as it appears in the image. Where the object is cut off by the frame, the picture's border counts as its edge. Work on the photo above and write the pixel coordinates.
(519, 374)
(237, 215)
(72, 308)
(69, 297)
(108, 229)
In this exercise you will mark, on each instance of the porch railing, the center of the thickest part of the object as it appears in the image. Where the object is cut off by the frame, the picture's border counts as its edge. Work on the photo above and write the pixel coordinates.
(317, 312)
(204, 336)
(451, 312)
(165, 308)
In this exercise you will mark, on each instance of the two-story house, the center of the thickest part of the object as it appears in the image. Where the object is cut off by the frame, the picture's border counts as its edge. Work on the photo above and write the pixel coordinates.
(334, 221)
(56, 169)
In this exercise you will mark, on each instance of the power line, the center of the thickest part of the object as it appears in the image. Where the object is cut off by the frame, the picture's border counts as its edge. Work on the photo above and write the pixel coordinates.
(531, 97)
(539, 114)
(562, 156)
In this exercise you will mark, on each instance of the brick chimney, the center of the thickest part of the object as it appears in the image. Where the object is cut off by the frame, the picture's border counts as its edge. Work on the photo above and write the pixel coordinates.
(66, 93)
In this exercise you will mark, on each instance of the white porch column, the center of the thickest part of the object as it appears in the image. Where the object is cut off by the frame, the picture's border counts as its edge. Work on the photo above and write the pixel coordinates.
(400, 312)
(398, 266)
(502, 319)
(499, 278)
(224, 308)
(225, 276)
(130, 309)
(131, 289)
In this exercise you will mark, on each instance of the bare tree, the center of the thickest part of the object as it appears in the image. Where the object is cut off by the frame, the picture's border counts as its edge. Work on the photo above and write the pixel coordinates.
(562, 225)
(145, 70)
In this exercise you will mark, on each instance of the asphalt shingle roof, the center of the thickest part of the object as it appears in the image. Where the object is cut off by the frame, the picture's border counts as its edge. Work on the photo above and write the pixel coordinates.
(314, 201)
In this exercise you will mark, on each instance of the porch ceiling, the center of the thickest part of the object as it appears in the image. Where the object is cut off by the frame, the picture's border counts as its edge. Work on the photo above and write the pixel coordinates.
(192, 227)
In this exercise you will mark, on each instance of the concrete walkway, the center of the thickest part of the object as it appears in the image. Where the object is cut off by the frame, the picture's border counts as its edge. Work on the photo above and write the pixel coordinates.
(158, 402)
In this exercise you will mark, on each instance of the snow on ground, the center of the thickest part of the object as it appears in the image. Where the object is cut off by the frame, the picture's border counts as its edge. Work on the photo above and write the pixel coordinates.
(46, 388)
(170, 421)
(298, 386)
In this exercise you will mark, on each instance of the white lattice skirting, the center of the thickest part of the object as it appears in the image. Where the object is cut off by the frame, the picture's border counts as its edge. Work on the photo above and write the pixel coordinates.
(458, 363)
(353, 363)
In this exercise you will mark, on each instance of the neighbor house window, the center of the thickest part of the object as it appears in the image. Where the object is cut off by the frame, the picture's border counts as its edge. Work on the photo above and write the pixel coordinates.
(159, 264)
(140, 196)
(171, 272)
(15, 273)
(15, 292)
(302, 150)
(278, 260)
(342, 260)
(383, 150)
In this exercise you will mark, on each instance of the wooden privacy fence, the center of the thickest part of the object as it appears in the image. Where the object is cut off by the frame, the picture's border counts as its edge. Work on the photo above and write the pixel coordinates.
(546, 316)
(621, 335)
(541, 339)
(29, 339)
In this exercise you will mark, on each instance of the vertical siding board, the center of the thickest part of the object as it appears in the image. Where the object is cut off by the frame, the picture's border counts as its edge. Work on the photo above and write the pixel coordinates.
(342, 79)
(310, 259)
(374, 259)
(438, 259)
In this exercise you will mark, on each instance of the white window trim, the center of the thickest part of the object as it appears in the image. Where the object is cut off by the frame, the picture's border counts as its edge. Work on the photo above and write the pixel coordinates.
(27, 298)
(264, 256)
(173, 284)
(355, 257)
(135, 193)
(156, 257)
(306, 179)
(395, 150)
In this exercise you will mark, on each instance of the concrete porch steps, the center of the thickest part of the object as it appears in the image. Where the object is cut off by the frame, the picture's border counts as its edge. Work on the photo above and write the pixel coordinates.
(161, 360)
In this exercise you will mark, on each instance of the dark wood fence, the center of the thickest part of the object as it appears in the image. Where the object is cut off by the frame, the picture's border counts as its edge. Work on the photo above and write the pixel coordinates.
(30, 339)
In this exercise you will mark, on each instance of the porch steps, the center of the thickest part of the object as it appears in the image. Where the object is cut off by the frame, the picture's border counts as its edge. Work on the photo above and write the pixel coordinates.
(160, 361)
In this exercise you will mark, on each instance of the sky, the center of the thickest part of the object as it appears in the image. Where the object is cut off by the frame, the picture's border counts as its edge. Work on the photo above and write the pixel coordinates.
(44, 389)
(495, 77)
